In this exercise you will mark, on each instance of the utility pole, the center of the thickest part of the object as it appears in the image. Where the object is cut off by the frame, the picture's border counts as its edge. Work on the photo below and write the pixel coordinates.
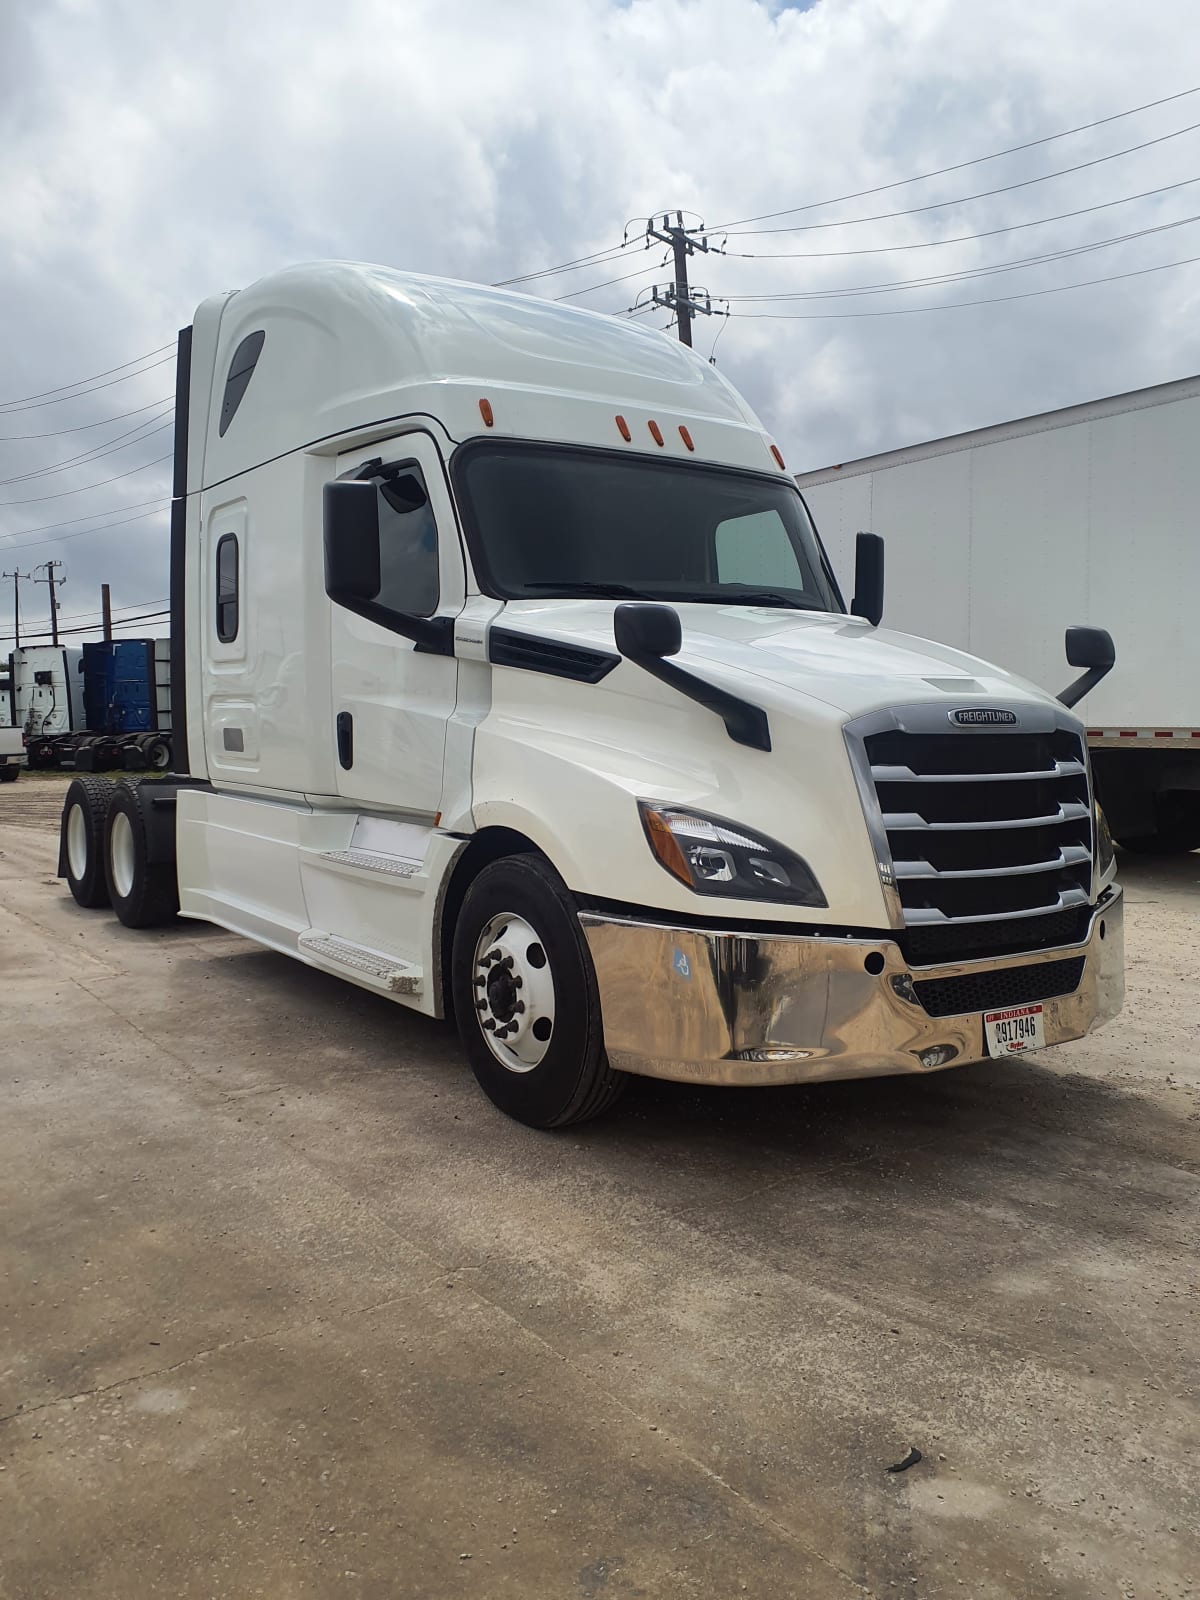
(16, 578)
(106, 612)
(678, 296)
(51, 569)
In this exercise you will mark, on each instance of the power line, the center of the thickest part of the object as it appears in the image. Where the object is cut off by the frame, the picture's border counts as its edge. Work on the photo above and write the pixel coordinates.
(955, 305)
(52, 527)
(642, 272)
(133, 361)
(147, 430)
(958, 238)
(122, 622)
(608, 253)
(83, 489)
(80, 393)
(982, 194)
(967, 273)
(83, 427)
(958, 166)
(135, 605)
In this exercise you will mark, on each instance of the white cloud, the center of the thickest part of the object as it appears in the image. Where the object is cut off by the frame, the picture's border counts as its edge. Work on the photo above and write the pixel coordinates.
(154, 154)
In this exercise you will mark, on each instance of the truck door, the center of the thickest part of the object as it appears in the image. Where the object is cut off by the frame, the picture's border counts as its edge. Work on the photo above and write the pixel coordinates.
(392, 701)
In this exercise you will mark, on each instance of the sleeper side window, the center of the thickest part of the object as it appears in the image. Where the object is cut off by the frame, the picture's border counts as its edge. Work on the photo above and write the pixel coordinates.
(227, 588)
(408, 553)
(241, 370)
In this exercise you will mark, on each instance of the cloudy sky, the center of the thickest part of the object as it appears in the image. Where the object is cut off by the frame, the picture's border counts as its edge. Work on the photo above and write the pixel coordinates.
(153, 154)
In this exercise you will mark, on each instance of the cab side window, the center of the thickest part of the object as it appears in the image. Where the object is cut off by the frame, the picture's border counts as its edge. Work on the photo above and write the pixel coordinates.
(408, 553)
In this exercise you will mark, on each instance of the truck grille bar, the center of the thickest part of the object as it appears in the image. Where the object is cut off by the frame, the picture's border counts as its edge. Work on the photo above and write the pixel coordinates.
(981, 825)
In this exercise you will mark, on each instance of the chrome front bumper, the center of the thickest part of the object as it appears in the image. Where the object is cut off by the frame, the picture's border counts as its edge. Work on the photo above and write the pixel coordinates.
(704, 1006)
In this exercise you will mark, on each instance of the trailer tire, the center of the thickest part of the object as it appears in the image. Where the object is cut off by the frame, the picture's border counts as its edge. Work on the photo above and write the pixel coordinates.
(84, 819)
(157, 753)
(521, 907)
(144, 894)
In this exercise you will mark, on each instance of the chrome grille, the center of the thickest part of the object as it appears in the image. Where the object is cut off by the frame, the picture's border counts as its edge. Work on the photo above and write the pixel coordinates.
(982, 826)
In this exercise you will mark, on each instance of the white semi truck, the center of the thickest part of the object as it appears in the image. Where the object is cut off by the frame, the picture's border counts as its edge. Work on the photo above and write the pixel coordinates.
(1002, 536)
(512, 681)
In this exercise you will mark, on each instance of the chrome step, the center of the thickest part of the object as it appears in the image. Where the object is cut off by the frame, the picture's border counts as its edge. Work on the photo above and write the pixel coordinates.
(369, 861)
(397, 977)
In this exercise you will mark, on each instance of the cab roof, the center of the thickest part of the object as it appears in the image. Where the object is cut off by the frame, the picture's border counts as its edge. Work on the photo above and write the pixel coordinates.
(347, 346)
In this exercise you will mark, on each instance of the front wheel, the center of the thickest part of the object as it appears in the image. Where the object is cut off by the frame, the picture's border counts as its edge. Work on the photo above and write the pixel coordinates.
(526, 999)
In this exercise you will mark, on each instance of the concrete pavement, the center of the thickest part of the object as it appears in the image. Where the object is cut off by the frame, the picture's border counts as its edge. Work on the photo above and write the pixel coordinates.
(287, 1310)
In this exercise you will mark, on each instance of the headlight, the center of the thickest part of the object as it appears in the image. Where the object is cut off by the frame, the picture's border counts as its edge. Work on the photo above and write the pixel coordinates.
(1105, 854)
(720, 858)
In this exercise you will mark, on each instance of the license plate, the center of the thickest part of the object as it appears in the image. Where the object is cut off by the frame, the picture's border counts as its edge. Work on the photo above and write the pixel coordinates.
(1009, 1033)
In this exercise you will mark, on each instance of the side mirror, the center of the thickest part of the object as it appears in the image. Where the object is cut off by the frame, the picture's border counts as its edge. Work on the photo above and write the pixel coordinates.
(351, 532)
(1093, 649)
(647, 630)
(868, 578)
(350, 518)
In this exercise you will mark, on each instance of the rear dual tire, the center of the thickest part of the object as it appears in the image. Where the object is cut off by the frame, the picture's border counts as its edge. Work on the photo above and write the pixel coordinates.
(143, 893)
(84, 816)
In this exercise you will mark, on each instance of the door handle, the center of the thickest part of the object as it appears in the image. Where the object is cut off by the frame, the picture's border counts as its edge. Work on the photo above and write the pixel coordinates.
(345, 739)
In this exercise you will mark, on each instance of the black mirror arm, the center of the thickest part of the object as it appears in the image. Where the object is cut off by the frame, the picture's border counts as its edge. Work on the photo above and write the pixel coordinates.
(431, 635)
(1074, 692)
(744, 723)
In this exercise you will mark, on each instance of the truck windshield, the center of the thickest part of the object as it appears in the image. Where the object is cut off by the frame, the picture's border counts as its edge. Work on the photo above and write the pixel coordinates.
(547, 520)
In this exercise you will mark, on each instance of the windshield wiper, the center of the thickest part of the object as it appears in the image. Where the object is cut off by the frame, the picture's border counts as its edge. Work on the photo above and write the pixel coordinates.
(569, 586)
(745, 596)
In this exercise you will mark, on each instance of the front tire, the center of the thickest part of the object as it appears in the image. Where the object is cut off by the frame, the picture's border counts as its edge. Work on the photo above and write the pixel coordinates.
(144, 893)
(84, 815)
(526, 1000)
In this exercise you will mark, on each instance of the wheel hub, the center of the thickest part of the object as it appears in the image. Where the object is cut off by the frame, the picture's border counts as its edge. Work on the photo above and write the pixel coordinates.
(514, 991)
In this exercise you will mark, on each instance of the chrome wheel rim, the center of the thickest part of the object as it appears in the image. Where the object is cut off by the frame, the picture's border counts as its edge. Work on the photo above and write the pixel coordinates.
(77, 842)
(121, 855)
(514, 992)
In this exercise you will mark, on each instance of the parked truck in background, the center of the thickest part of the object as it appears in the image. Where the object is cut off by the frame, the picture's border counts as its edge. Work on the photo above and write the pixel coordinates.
(104, 705)
(1002, 536)
(511, 680)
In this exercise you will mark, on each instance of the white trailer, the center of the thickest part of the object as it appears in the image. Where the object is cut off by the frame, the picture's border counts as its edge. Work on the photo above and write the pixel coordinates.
(12, 745)
(1001, 537)
(510, 680)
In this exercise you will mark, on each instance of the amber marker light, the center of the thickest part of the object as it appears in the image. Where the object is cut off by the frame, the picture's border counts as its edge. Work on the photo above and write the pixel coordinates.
(623, 430)
(485, 411)
(778, 457)
(665, 845)
(686, 437)
(656, 432)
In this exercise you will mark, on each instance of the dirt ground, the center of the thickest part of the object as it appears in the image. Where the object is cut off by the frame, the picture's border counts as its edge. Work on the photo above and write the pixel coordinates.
(287, 1310)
